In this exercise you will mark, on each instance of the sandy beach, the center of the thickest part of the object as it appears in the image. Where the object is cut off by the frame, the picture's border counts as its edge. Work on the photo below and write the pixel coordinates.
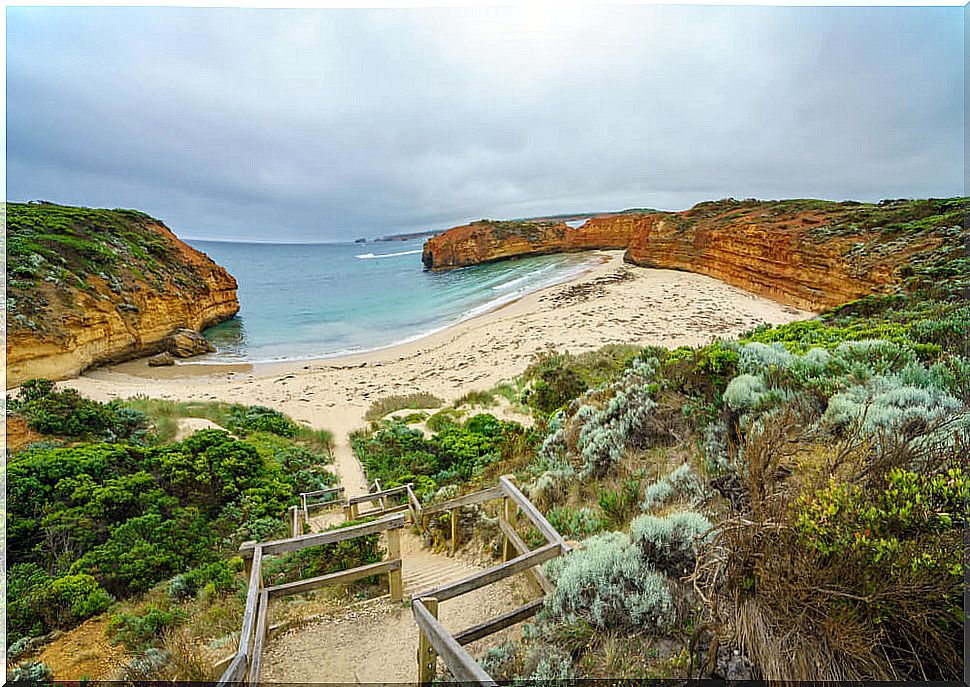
(612, 302)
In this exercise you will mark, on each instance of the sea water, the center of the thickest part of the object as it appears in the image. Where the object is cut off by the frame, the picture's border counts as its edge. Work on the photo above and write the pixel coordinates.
(300, 301)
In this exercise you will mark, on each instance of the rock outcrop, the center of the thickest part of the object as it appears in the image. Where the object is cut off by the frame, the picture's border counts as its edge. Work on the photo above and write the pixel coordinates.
(806, 253)
(489, 241)
(87, 287)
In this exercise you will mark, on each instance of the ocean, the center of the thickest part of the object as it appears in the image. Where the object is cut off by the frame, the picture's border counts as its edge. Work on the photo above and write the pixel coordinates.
(302, 301)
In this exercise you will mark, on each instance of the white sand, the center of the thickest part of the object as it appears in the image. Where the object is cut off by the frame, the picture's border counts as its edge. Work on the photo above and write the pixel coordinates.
(611, 303)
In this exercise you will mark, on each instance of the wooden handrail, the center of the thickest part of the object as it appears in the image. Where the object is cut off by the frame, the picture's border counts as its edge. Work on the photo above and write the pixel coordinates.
(494, 574)
(503, 621)
(237, 669)
(321, 492)
(417, 510)
(329, 537)
(466, 500)
(521, 547)
(357, 573)
(376, 496)
(459, 662)
(531, 512)
(256, 662)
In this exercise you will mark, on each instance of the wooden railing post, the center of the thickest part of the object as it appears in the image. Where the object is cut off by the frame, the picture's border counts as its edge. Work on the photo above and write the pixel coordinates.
(510, 514)
(247, 560)
(454, 529)
(306, 513)
(427, 656)
(394, 577)
(295, 521)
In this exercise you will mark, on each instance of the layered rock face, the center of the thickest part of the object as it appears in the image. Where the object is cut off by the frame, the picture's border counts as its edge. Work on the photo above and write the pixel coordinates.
(805, 253)
(488, 241)
(88, 287)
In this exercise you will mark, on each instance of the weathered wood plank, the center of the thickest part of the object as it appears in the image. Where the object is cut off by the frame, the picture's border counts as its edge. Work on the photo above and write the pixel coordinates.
(455, 533)
(462, 666)
(256, 661)
(531, 512)
(499, 572)
(323, 504)
(427, 657)
(334, 578)
(503, 621)
(395, 584)
(466, 500)
(321, 492)
(252, 599)
(329, 537)
(377, 496)
(385, 511)
(416, 509)
(516, 541)
(235, 673)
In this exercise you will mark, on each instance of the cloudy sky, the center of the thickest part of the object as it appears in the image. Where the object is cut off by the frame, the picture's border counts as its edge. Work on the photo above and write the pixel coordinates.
(305, 125)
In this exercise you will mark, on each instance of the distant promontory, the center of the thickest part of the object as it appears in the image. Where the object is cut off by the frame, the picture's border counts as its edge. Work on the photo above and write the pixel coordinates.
(89, 286)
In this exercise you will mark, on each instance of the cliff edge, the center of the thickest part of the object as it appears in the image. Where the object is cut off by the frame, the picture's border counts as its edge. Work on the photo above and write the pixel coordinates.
(87, 287)
(812, 254)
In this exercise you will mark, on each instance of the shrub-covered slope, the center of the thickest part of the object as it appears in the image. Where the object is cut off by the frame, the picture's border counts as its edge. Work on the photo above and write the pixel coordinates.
(788, 506)
(88, 286)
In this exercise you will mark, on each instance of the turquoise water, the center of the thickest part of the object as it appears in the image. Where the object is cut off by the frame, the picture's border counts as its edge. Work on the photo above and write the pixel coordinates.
(302, 301)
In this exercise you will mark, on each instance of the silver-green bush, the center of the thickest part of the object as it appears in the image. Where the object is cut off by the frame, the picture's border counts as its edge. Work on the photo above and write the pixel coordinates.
(608, 583)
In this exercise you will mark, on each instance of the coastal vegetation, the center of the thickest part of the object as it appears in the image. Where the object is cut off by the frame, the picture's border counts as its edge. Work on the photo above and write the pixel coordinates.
(107, 513)
(790, 505)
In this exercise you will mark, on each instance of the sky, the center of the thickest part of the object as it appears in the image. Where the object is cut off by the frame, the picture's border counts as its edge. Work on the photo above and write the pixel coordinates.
(333, 124)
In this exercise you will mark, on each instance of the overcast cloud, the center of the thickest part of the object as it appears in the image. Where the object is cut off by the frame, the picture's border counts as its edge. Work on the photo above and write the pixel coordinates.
(332, 124)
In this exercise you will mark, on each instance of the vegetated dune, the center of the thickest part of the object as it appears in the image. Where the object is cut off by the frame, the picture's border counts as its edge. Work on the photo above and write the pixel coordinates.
(811, 254)
(87, 287)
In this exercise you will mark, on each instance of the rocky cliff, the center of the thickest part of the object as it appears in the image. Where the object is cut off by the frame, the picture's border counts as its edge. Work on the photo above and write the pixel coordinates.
(87, 287)
(806, 253)
(488, 240)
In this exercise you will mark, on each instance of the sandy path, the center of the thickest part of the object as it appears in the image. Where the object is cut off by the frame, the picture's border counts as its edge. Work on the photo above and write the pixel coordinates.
(377, 641)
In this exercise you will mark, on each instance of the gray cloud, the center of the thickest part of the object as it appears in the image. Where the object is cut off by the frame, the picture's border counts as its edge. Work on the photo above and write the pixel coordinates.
(332, 124)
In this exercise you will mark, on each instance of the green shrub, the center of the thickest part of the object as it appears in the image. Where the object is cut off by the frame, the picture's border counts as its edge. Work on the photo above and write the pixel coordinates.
(68, 414)
(682, 482)
(576, 523)
(244, 420)
(668, 542)
(215, 578)
(32, 672)
(81, 595)
(609, 584)
(137, 631)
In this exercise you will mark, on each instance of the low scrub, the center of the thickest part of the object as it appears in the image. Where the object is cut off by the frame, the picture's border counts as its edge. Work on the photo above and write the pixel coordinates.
(383, 407)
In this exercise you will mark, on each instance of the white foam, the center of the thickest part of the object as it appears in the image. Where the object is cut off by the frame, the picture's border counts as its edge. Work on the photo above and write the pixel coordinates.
(372, 256)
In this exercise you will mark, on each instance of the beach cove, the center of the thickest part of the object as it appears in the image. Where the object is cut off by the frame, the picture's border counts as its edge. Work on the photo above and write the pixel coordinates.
(610, 302)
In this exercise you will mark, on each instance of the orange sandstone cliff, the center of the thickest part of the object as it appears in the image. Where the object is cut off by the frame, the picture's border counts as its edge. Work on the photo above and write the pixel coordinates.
(488, 241)
(87, 287)
(807, 253)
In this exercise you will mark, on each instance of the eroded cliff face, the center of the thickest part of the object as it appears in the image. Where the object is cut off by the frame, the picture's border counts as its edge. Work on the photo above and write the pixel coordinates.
(805, 253)
(488, 241)
(88, 287)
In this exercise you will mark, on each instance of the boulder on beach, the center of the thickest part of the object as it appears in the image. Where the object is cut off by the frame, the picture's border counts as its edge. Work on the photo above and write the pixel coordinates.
(185, 343)
(162, 359)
